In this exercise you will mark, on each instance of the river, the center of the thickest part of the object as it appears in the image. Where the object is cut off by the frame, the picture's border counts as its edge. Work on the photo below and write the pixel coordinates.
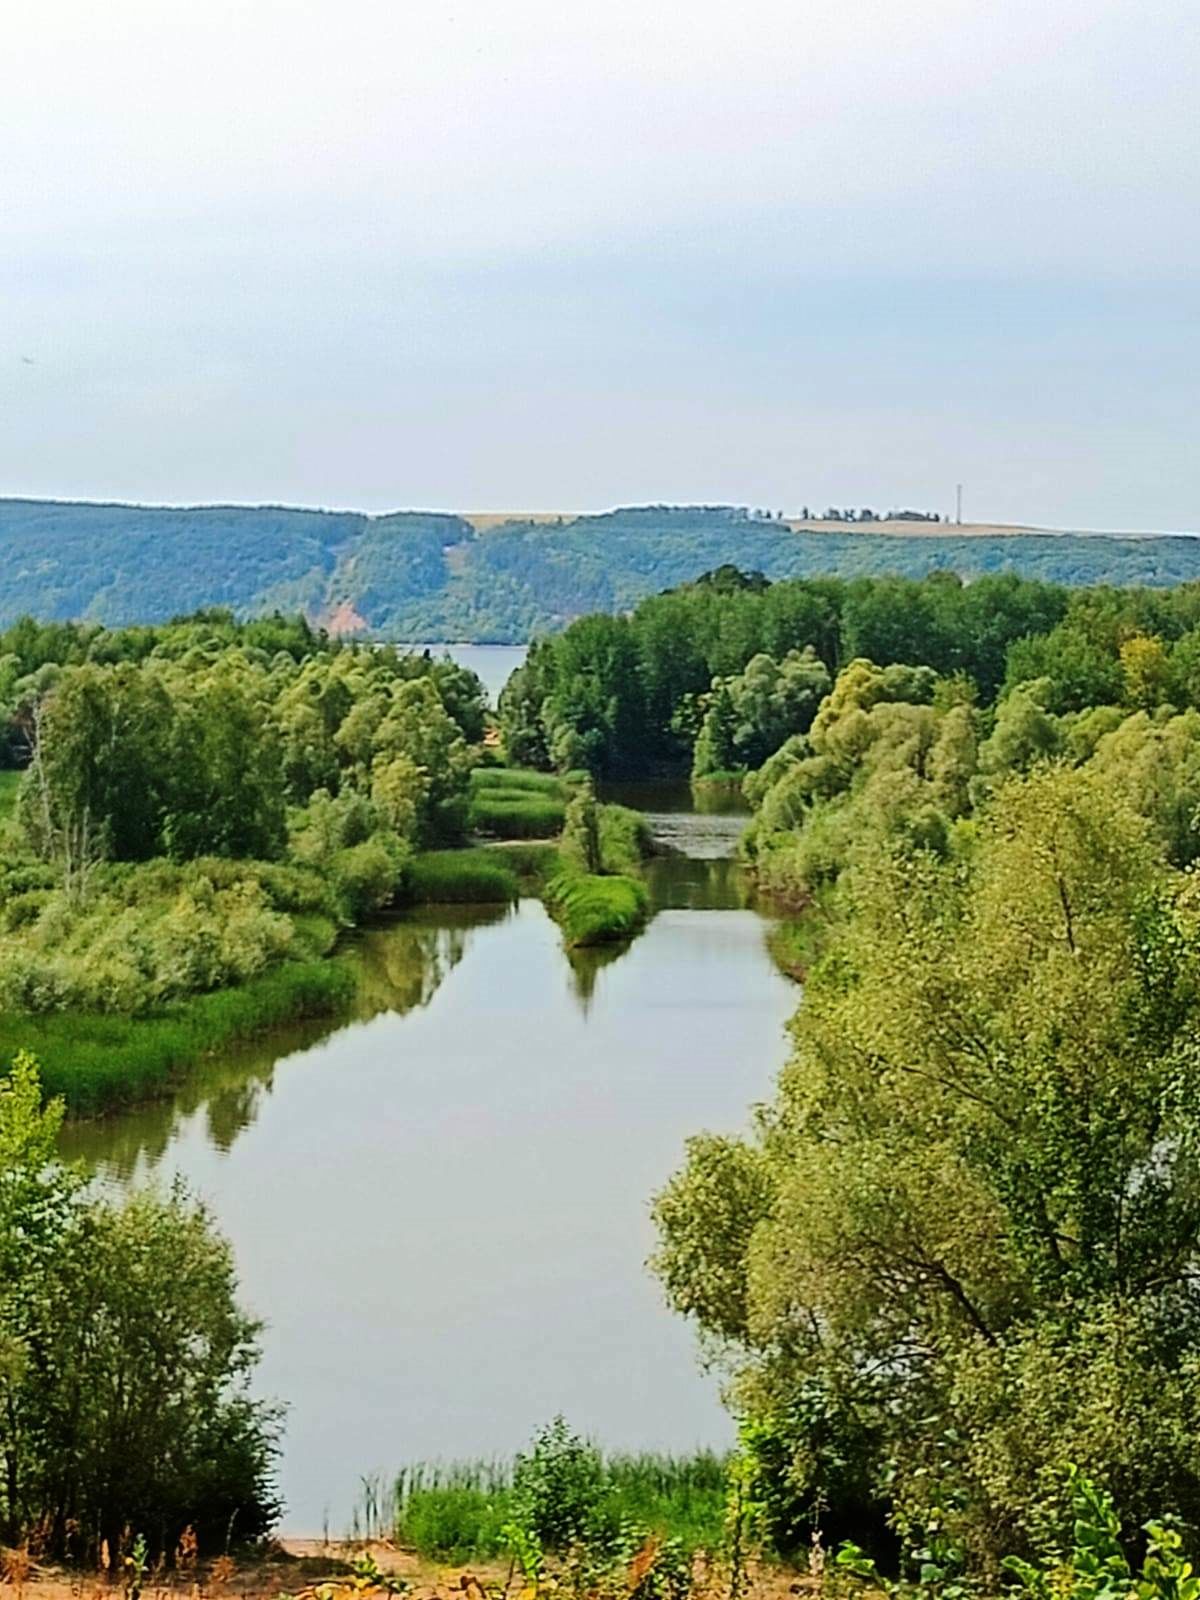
(440, 1208)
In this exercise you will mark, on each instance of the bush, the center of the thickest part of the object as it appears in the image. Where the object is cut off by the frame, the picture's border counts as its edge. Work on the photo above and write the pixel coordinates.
(595, 910)
(367, 875)
(465, 877)
(559, 1487)
(125, 1387)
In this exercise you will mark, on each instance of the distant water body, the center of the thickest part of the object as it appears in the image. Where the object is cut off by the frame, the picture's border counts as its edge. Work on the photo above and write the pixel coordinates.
(493, 662)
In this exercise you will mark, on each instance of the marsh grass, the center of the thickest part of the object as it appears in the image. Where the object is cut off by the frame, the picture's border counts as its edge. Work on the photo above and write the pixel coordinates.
(96, 1061)
(475, 876)
(508, 814)
(510, 803)
(517, 778)
(455, 1511)
(596, 910)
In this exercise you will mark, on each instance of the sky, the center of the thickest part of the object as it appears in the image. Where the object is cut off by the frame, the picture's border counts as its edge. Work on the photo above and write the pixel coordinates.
(553, 255)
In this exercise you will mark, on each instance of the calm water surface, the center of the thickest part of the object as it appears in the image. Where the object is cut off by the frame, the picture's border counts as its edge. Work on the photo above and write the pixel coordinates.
(440, 1209)
(493, 662)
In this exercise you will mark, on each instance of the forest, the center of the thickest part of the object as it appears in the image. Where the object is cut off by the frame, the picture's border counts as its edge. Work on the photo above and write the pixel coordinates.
(950, 1273)
(960, 1248)
(434, 576)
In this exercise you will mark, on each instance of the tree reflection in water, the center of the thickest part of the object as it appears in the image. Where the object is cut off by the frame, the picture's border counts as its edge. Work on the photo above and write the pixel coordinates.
(400, 966)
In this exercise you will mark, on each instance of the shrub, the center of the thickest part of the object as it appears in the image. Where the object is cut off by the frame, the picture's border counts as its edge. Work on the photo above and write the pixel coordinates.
(367, 875)
(559, 1487)
(125, 1384)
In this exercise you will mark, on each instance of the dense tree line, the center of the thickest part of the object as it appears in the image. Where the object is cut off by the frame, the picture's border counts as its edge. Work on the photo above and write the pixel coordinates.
(418, 575)
(207, 799)
(631, 694)
(961, 1248)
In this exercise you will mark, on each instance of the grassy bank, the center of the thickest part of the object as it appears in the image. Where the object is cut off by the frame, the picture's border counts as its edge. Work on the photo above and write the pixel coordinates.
(455, 1511)
(96, 1061)
(596, 910)
(510, 803)
(477, 876)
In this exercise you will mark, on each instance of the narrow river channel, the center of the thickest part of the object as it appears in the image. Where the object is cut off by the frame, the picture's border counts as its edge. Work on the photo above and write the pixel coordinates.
(440, 1209)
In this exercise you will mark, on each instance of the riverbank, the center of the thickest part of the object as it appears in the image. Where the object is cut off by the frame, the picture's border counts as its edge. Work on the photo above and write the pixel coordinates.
(509, 1110)
(99, 1061)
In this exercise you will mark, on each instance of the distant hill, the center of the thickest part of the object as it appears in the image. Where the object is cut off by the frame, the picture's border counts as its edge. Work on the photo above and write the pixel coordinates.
(487, 577)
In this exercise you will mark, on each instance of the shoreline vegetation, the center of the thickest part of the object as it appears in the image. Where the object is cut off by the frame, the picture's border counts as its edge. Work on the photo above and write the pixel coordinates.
(950, 1270)
(205, 809)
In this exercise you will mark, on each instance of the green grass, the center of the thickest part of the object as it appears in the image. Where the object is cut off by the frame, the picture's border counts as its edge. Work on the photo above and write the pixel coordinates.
(513, 815)
(516, 778)
(455, 1511)
(511, 803)
(624, 838)
(10, 782)
(596, 910)
(477, 876)
(96, 1060)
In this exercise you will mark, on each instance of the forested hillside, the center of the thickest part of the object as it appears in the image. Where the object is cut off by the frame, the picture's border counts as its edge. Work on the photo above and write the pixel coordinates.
(417, 575)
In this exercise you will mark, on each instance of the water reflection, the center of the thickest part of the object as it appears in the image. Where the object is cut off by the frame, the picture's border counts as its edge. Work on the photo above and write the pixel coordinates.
(400, 966)
(440, 1208)
(703, 824)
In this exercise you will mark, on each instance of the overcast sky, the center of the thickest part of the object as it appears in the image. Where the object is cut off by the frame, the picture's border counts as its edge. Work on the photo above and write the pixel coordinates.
(526, 254)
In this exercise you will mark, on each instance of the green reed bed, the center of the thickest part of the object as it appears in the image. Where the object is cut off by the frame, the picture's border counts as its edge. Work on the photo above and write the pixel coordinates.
(511, 815)
(455, 1511)
(476, 876)
(509, 803)
(596, 910)
(96, 1061)
(624, 838)
(517, 779)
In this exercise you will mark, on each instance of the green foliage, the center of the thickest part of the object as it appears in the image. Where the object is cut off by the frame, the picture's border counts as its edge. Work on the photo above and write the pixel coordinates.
(419, 575)
(752, 713)
(474, 876)
(596, 910)
(1098, 1567)
(97, 1061)
(558, 1487)
(971, 1216)
(124, 1361)
(472, 1510)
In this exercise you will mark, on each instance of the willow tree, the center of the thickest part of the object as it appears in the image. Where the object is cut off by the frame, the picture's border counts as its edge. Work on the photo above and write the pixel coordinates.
(961, 1248)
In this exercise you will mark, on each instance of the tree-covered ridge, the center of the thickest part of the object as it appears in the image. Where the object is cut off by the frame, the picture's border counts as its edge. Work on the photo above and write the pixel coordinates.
(418, 575)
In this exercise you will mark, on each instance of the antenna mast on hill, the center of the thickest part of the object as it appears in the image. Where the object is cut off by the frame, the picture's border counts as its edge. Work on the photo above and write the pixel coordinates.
(958, 504)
